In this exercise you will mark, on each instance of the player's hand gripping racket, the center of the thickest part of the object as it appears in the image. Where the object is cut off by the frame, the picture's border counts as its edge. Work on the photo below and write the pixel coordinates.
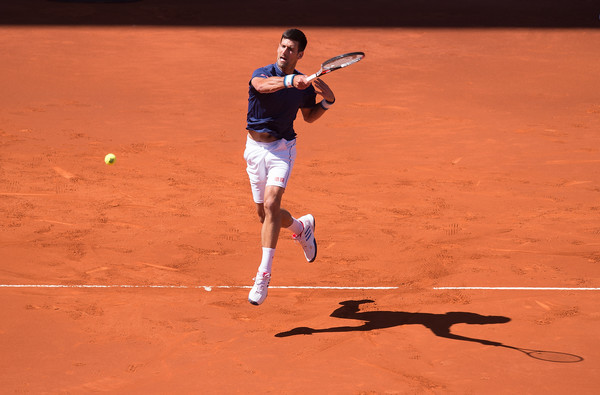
(337, 63)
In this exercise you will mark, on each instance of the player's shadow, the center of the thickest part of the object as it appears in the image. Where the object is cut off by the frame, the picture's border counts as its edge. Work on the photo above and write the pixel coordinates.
(439, 324)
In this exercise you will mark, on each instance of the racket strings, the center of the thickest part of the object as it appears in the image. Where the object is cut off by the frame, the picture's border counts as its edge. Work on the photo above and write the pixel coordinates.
(342, 62)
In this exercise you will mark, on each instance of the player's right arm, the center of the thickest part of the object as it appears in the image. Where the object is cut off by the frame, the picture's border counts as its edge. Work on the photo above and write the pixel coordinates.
(274, 84)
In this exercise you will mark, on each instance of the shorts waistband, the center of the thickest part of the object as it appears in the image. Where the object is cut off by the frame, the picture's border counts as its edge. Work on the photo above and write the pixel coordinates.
(275, 143)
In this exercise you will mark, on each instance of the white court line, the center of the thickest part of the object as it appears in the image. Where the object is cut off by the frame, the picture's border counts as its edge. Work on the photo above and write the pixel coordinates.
(211, 287)
(205, 287)
(521, 288)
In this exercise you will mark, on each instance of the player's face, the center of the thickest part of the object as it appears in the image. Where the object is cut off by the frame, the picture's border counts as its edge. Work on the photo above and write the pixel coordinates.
(288, 55)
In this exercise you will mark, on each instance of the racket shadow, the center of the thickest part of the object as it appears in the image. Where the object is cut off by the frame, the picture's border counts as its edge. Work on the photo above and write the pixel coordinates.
(548, 356)
(439, 324)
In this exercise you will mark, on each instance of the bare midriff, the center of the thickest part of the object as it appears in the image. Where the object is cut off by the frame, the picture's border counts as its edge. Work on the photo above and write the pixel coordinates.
(261, 137)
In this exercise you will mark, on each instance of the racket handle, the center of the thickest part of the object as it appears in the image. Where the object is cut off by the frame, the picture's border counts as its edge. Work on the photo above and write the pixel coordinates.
(311, 77)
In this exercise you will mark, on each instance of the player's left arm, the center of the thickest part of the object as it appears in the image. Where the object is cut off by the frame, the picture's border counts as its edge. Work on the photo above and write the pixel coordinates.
(311, 114)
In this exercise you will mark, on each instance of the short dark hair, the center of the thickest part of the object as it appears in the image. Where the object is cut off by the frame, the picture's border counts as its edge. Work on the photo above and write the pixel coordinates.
(296, 35)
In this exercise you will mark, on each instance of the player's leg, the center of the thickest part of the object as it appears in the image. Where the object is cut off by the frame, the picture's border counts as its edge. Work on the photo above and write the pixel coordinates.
(257, 173)
(287, 220)
(280, 162)
(275, 216)
(260, 210)
(271, 217)
(268, 205)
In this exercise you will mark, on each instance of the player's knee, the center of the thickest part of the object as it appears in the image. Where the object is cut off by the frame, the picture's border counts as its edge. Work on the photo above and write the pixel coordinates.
(272, 206)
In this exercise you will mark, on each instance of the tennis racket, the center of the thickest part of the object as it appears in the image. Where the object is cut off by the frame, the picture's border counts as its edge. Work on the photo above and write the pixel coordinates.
(337, 63)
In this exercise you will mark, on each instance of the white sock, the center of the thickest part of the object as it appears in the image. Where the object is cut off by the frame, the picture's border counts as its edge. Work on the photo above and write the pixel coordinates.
(296, 227)
(267, 260)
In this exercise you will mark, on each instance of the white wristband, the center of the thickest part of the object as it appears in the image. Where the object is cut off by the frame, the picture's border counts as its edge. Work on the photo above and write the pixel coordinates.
(288, 80)
(326, 105)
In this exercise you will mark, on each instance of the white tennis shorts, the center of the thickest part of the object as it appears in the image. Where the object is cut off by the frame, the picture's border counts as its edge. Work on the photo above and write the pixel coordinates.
(268, 164)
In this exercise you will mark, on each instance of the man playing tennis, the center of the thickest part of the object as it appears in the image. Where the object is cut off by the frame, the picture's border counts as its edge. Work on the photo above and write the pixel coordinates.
(276, 93)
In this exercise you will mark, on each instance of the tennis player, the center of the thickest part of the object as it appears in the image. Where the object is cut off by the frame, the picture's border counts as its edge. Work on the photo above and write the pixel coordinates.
(276, 93)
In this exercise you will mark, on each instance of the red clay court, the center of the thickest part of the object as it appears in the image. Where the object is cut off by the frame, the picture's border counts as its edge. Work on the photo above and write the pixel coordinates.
(454, 158)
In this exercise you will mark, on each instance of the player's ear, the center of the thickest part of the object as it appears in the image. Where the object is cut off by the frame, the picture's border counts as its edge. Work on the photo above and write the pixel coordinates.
(300, 54)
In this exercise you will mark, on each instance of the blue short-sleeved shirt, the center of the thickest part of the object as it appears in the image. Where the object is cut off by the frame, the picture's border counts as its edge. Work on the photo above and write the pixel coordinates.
(274, 113)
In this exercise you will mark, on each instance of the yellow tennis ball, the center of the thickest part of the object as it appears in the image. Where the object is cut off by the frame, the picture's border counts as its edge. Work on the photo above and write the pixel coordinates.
(110, 159)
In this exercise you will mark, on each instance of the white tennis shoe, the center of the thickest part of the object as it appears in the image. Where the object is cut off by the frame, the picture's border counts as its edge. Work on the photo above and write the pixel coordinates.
(307, 237)
(259, 291)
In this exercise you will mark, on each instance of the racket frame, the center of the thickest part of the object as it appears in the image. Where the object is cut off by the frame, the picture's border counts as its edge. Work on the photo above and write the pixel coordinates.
(323, 70)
